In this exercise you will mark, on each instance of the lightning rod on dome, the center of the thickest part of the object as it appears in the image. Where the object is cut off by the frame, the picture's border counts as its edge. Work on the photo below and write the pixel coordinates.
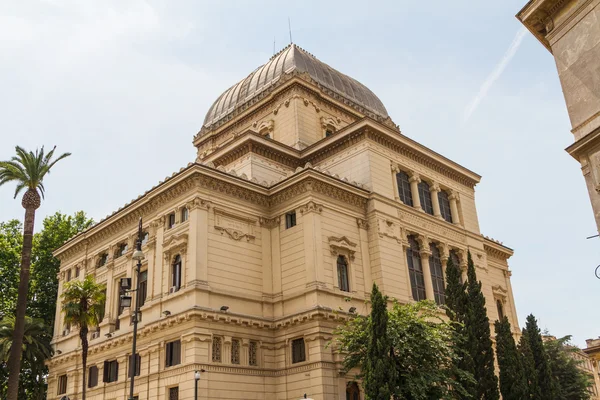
(290, 29)
(273, 45)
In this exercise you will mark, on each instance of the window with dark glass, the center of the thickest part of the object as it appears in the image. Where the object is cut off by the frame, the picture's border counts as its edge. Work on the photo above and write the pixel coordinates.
(445, 205)
(500, 309)
(253, 353)
(174, 393)
(329, 131)
(456, 262)
(184, 214)
(437, 275)
(342, 272)
(404, 191)
(122, 249)
(111, 371)
(62, 384)
(176, 273)
(173, 353)
(68, 275)
(171, 220)
(76, 271)
(138, 364)
(425, 197)
(415, 269)
(216, 349)
(352, 391)
(92, 376)
(142, 288)
(290, 219)
(235, 351)
(298, 351)
(103, 259)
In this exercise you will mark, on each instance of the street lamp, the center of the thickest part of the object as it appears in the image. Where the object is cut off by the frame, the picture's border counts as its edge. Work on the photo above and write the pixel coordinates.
(138, 255)
(196, 379)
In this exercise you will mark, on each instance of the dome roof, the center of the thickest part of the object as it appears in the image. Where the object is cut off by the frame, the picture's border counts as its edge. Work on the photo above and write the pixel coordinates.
(291, 59)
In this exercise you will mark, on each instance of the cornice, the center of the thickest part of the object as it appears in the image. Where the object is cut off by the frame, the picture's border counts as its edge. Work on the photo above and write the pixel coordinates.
(496, 250)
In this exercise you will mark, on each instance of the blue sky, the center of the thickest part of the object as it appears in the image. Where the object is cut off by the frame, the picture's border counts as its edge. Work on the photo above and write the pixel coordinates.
(124, 86)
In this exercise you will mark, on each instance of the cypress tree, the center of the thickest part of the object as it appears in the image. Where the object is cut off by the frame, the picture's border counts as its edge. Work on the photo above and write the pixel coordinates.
(542, 364)
(513, 385)
(533, 389)
(456, 309)
(379, 376)
(478, 333)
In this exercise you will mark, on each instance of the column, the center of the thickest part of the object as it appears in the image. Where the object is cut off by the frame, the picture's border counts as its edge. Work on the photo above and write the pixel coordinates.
(395, 170)
(454, 207)
(414, 188)
(444, 256)
(365, 254)
(434, 190)
(425, 254)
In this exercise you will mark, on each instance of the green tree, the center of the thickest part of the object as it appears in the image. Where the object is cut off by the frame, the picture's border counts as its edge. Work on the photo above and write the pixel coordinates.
(10, 249)
(27, 170)
(456, 309)
(83, 307)
(36, 348)
(57, 229)
(378, 369)
(513, 384)
(545, 379)
(573, 383)
(418, 361)
(528, 363)
(478, 334)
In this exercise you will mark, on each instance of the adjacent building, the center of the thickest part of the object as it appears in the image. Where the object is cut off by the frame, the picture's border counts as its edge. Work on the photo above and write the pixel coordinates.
(304, 193)
(592, 351)
(570, 30)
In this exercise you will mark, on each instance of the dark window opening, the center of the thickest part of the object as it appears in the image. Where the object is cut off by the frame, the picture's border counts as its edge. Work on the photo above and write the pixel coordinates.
(171, 220)
(93, 376)
(111, 371)
(415, 269)
(290, 219)
(103, 259)
(404, 190)
(445, 205)
(298, 351)
(176, 274)
(122, 249)
(185, 214)
(62, 384)
(142, 288)
(425, 197)
(500, 310)
(68, 275)
(145, 237)
(173, 353)
(174, 393)
(342, 270)
(138, 364)
(352, 391)
(437, 275)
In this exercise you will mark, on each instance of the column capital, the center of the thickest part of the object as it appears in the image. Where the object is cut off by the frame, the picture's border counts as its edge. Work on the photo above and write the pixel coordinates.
(453, 196)
(434, 188)
(395, 168)
(425, 253)
(414, 177)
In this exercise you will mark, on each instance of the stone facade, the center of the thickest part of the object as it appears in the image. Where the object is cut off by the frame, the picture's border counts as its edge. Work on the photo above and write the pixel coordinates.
(570, 30)
(592, 351)
(295, 205)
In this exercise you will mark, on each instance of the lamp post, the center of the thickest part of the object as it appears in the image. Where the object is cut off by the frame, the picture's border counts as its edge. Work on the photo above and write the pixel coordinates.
(196, 379)
(138, 255)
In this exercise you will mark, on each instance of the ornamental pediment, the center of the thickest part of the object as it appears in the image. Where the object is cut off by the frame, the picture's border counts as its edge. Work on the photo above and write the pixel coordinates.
(342, 245)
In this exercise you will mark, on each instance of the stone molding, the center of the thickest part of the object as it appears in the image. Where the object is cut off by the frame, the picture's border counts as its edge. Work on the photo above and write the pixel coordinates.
(342, 245)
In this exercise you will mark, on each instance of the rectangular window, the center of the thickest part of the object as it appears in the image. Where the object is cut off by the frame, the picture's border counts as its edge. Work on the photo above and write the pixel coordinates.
(404, 190)
(184, 214)
(143, 288)
(62, 384)
(216, 349)
(235, 351)
(76, 271)
(298, 351)
(445, 205)
(425, 197)
(342, 270)
(253, 353)
(290, 219)
(138, 364)
(103, 259)
(171, 221)
(173, 353)
(111, 371)
(68, 275)
(176, 274)
(437, 275)
(415, 270)
(145, 237)
(93, 376)
(174, 393)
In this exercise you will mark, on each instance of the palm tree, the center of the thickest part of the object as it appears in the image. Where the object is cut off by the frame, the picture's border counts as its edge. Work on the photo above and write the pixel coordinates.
(27, 170)
(83, 306)
(36, 346)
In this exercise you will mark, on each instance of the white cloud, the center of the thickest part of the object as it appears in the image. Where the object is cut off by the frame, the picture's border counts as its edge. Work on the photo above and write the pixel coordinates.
(493, 77)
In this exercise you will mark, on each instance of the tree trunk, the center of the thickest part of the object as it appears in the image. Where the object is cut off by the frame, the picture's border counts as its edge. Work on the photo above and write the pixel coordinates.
(83, 331)
(14, 360)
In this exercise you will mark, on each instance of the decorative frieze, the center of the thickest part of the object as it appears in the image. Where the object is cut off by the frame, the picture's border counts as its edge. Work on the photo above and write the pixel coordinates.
(438, 228)
(235, 226)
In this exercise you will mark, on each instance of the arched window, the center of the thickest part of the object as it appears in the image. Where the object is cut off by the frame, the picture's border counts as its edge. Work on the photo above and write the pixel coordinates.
(415, 270)
(425, 197)
(445, 205)
(500, 308)
(404, 191)
(176, 274)
(437, 274)
(352, 391)
(342, 272)
(456, 262)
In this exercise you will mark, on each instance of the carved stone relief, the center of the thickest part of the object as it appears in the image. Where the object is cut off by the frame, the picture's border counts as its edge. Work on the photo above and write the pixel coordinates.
(234, 226)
